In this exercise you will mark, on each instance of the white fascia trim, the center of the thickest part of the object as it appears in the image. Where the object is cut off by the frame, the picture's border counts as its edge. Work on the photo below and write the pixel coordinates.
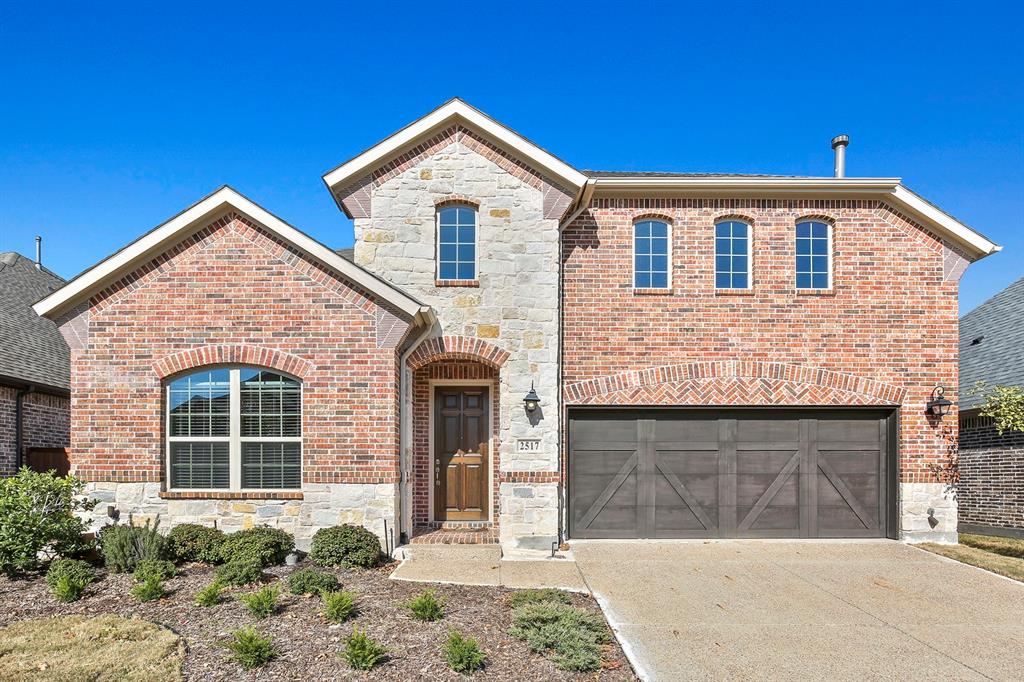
(164, 236)
(888, 188)
(455, 109)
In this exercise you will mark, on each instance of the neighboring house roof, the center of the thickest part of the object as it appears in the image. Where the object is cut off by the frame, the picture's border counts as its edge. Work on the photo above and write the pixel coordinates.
(196, 217)
(992, 344)
(32, 350)
(347, 254)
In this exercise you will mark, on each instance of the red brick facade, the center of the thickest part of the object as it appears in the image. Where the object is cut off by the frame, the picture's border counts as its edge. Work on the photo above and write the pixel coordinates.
(45, 424)
(885, 334)
(990, 496)
(234, 294)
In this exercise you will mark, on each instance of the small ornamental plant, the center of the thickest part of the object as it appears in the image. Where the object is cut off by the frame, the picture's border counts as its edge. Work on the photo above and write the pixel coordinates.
(209, 595)
(239, 572)
(261, 603)
(161, 568)
(150, 589)
(69, 588)
(361, 652)
(462, 654)
(311, 581)
(250, 649)
(426, 607)
(538, 596)
(345, 545)
(339, 606)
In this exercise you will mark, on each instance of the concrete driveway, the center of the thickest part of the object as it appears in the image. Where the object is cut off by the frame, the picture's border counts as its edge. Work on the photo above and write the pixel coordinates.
(804, 610)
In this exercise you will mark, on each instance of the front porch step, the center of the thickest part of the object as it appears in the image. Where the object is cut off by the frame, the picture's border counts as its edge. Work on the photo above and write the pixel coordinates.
(460, 535)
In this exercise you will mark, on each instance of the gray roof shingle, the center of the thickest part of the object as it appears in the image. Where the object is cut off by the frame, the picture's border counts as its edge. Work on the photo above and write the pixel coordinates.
(992, 344)
(32, 350)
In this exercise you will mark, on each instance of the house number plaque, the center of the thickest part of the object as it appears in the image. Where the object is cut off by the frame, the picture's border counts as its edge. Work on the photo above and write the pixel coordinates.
(528, 445)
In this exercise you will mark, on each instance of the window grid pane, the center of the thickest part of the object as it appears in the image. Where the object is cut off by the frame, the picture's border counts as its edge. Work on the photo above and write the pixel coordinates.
(270, 405)
(651, 262)
(200, 404)
(732, 255)
(456, 243)
(812, 255)
(200, 465)
(271, 465)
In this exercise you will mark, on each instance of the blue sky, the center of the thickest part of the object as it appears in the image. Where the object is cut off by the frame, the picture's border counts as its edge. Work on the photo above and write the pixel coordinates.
(115, 117)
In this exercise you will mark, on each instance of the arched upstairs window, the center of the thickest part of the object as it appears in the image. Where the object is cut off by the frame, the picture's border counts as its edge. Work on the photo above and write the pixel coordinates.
(813, 255)
(732, 255)
(456, 243)
(652, 255)
(234, 428)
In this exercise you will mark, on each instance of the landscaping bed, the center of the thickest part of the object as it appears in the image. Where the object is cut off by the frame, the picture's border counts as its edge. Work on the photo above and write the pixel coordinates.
(307, 644)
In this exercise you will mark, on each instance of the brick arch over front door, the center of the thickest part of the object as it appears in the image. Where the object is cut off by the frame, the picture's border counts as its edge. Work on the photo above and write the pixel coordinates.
(733, 383)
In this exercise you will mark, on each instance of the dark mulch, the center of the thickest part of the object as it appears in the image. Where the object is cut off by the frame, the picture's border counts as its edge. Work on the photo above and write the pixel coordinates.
(308, 645)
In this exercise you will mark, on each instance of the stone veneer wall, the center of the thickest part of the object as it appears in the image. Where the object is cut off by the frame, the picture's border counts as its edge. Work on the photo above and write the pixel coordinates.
(884, 334)
(513, 305)
(233, 294)
(991, 489)
(45, 424)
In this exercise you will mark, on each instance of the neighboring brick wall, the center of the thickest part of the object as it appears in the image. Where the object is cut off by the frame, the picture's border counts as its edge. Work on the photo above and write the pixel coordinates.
(234, 293)
(885, 334)
(45, 424)
(991, 490)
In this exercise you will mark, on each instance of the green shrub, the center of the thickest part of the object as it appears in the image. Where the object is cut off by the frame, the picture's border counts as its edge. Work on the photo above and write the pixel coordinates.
(125, 546)
(150, 589)
(361, 652)
(194, 542)
(538, 596)
(462, 654)
(261, 603)
(573, 636)
(239, 572)
(69, 588)
(426, 606)
(161, 568)
(311, 581)
(209, 595)
(268, 546)
(37, 519)
(345, 545)
(250, 648)
(76, 569)
(339, 606)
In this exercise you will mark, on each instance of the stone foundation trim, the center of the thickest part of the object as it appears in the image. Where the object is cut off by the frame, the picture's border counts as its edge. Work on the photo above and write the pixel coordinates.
(234, 355)
(229, 495)
(457, 348)
(876, 391)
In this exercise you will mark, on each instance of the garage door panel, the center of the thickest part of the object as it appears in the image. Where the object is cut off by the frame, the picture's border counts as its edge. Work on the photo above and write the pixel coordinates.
(729, 473)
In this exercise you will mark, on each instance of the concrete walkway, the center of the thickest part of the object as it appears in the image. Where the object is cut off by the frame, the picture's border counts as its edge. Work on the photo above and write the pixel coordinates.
(485, 565)
(778, 610)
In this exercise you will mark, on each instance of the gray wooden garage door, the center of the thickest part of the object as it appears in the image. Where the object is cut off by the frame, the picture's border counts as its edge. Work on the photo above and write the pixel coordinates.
(740, 473)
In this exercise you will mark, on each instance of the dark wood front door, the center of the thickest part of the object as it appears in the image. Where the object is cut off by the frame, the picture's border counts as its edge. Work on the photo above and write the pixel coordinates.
(731, 473)
(462, 435)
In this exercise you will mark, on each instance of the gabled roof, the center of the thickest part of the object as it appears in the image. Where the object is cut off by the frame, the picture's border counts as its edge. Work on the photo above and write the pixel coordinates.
(992, 344)
(33, 350)
(451, 111)
(194, 218)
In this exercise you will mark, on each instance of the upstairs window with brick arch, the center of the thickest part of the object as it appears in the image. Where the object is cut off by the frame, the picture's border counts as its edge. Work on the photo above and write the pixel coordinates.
(456, 243)
(652, 255)
(813, 255)
(732, 255)
(234, 428)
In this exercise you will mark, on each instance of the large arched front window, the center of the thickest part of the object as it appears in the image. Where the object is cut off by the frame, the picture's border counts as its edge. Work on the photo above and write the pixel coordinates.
(234, 428)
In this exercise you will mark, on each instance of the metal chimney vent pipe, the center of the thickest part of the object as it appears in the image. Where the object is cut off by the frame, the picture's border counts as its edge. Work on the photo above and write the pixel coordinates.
(39, 252)
(839, 143)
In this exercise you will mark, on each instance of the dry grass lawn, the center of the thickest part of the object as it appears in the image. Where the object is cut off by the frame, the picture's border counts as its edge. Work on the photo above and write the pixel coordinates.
(89, 649)
(999, 555)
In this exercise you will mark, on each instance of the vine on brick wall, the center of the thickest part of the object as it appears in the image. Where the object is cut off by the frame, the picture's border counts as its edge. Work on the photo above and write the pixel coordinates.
(948, 470)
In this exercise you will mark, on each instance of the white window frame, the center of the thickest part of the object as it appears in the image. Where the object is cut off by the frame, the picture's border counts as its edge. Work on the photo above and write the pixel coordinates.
(632, 237)
(828, 252)
(235, 438)
(476, 243)
(750, 255)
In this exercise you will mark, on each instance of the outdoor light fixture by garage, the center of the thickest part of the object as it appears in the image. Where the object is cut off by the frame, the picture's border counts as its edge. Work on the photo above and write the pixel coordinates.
(938, 405)
(532, 400)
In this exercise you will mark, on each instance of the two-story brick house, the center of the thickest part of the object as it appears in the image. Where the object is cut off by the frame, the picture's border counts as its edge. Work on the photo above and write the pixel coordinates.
(713, 355)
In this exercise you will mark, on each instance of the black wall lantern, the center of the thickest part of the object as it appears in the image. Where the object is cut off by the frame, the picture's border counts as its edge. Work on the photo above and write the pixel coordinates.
(938, 405)
(531, 400)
